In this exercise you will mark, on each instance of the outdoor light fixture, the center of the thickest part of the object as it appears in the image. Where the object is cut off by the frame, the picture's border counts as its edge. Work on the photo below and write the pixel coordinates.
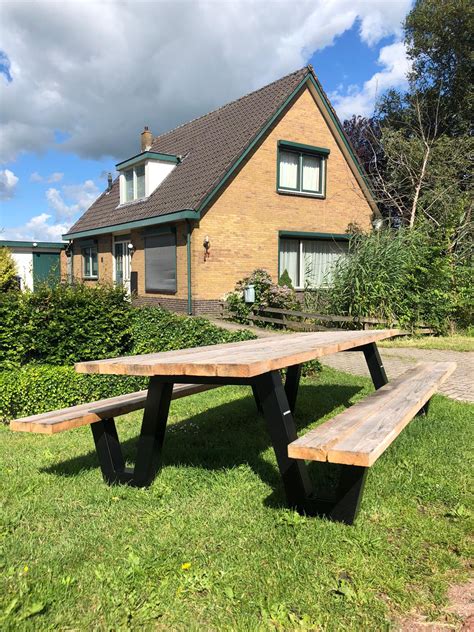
(35, 243)
(131, 248)
(207, 247)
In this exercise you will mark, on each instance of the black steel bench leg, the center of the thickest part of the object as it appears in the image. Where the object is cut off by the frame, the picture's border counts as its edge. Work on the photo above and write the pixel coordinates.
(282, 431)
(292, 382)
(349, 494)
(150, 442)
(375, 364)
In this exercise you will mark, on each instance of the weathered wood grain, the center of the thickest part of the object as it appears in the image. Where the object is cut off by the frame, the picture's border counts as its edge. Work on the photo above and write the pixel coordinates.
(83, 414)
(240, 359)
(360, 434)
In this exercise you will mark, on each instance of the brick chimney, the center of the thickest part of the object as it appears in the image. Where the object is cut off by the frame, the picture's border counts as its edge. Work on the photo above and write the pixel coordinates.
(146, 139)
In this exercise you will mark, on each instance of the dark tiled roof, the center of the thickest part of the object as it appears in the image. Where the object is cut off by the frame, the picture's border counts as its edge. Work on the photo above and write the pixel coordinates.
(209, 145)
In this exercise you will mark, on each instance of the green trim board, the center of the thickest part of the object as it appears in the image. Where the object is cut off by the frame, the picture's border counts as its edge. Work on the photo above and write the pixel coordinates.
(53, 245)
(309, 235)
(146, 155)
(305, 148)
(139, 223)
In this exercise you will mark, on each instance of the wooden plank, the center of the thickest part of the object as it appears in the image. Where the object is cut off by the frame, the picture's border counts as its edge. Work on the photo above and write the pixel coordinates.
(83, 414)
(242, 359)
(360, 434)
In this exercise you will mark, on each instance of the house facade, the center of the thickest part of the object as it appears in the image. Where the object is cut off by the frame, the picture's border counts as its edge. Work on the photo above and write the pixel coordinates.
(38, 262)
(267, 181)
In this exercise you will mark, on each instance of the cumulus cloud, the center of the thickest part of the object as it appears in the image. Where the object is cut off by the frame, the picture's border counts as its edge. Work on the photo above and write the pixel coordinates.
(361, 100)
(93, 73)
(56, 176)
(39, 228)
(64, 207)
(8, 182)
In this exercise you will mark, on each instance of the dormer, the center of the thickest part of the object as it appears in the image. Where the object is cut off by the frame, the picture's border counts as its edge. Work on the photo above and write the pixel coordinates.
(143, 173)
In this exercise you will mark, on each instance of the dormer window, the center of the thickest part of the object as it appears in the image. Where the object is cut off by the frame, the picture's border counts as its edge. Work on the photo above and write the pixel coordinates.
(143, 174)
(134, 183)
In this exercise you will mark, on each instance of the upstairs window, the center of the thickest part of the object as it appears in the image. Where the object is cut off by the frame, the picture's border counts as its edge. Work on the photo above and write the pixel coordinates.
(134, 183)
(301, 169)
(90, 268)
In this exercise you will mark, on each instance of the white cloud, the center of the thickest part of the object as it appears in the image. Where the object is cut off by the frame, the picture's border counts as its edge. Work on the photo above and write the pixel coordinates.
(64, 207)
(56, 176)
(8, 182)
(38, 228)
(361, 100)
(96, 72)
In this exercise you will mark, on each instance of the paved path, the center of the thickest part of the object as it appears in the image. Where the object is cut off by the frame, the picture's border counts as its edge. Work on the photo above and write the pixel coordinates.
(459, 386)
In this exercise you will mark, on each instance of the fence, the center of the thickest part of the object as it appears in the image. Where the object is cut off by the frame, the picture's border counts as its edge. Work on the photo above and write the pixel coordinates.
(310, 321)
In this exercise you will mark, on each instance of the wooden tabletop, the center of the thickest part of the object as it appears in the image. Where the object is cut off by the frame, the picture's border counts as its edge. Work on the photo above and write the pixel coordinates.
(239, 359)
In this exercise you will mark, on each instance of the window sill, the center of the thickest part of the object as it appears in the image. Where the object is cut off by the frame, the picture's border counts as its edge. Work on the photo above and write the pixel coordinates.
(90, 278)
(150, 291)
(319, 196)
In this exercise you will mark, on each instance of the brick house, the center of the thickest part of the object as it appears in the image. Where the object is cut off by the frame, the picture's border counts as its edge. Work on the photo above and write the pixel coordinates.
(267, 181)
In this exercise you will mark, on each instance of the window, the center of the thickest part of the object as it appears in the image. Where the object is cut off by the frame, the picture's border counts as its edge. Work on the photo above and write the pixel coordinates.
(160, 262)
(134, 183)
(89, 259)
(309, 262)
(301, 169)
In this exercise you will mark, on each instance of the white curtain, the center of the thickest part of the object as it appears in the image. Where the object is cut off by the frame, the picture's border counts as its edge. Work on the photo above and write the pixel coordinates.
(319, 260)
(289, 170)
(311, 167)
(129, 185)
(289, 250)
(140, 173)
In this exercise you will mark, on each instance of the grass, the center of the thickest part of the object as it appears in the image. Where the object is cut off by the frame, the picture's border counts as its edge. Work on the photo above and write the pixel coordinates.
(456, 342)
(210, 545)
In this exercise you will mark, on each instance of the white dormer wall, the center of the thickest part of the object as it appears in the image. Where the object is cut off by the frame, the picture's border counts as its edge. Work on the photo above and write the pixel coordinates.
(155, 172)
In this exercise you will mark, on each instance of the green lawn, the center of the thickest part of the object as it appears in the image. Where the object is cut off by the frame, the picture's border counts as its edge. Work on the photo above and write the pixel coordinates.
(210, 546)
(457, 342)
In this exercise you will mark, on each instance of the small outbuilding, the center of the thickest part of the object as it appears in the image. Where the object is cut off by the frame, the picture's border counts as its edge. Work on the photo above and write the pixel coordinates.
(38, 261)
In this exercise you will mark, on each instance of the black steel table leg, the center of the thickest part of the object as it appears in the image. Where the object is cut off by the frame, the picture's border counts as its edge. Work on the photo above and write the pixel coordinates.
(375, 364)
(292, 382)
(150, 442)
(282, 430)
(109, 452)
(152, 433)
(257, 400)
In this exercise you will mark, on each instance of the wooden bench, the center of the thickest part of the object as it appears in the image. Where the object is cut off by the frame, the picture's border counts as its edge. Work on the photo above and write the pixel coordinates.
(357, 437)
(100, 415)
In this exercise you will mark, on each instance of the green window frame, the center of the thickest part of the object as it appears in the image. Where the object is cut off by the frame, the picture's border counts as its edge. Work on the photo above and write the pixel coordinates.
(90, 264)
(302, 153)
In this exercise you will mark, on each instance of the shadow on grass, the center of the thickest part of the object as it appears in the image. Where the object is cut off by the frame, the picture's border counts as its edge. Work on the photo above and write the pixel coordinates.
(229, 435)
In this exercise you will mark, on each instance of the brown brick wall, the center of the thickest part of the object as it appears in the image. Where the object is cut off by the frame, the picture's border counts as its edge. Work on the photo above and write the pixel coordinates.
(104, 258)
(243, 223)
(179, 305)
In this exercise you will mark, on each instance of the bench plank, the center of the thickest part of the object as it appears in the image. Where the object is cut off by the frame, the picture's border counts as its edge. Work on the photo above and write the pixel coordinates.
(83, 414)
(360, 434)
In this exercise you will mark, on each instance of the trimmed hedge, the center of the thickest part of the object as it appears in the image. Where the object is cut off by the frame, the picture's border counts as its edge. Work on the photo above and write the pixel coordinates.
(34, 389)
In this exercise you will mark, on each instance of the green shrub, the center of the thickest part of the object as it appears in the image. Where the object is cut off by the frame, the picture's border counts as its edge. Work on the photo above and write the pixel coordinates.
(267, 294)
(8, 271)
(154, 329)
(34, 389)
(401, 275)
(285, 279)
(63, 324)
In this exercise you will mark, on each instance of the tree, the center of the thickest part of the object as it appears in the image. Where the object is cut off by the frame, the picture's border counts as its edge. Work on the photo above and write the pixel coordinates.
(8, 271)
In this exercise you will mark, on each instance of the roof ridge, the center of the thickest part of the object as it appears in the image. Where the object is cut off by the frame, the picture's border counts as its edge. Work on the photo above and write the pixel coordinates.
(308, 67)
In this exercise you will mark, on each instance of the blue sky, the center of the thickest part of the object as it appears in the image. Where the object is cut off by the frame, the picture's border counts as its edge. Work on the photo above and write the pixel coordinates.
(74, 97)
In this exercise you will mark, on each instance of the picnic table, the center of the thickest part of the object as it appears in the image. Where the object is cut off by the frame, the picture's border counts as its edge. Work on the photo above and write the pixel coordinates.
(350, 442)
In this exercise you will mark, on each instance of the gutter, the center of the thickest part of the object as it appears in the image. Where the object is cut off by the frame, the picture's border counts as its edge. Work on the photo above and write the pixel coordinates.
(188, 261)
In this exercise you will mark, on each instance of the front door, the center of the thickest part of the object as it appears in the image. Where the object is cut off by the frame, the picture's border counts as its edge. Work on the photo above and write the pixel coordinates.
(122, 264)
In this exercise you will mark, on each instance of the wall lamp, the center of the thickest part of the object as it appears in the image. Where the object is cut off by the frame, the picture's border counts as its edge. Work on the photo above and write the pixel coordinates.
(207, 247)
(131, 248)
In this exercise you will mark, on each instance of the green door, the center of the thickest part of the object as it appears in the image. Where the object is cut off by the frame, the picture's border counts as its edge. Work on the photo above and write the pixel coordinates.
(45, 268)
